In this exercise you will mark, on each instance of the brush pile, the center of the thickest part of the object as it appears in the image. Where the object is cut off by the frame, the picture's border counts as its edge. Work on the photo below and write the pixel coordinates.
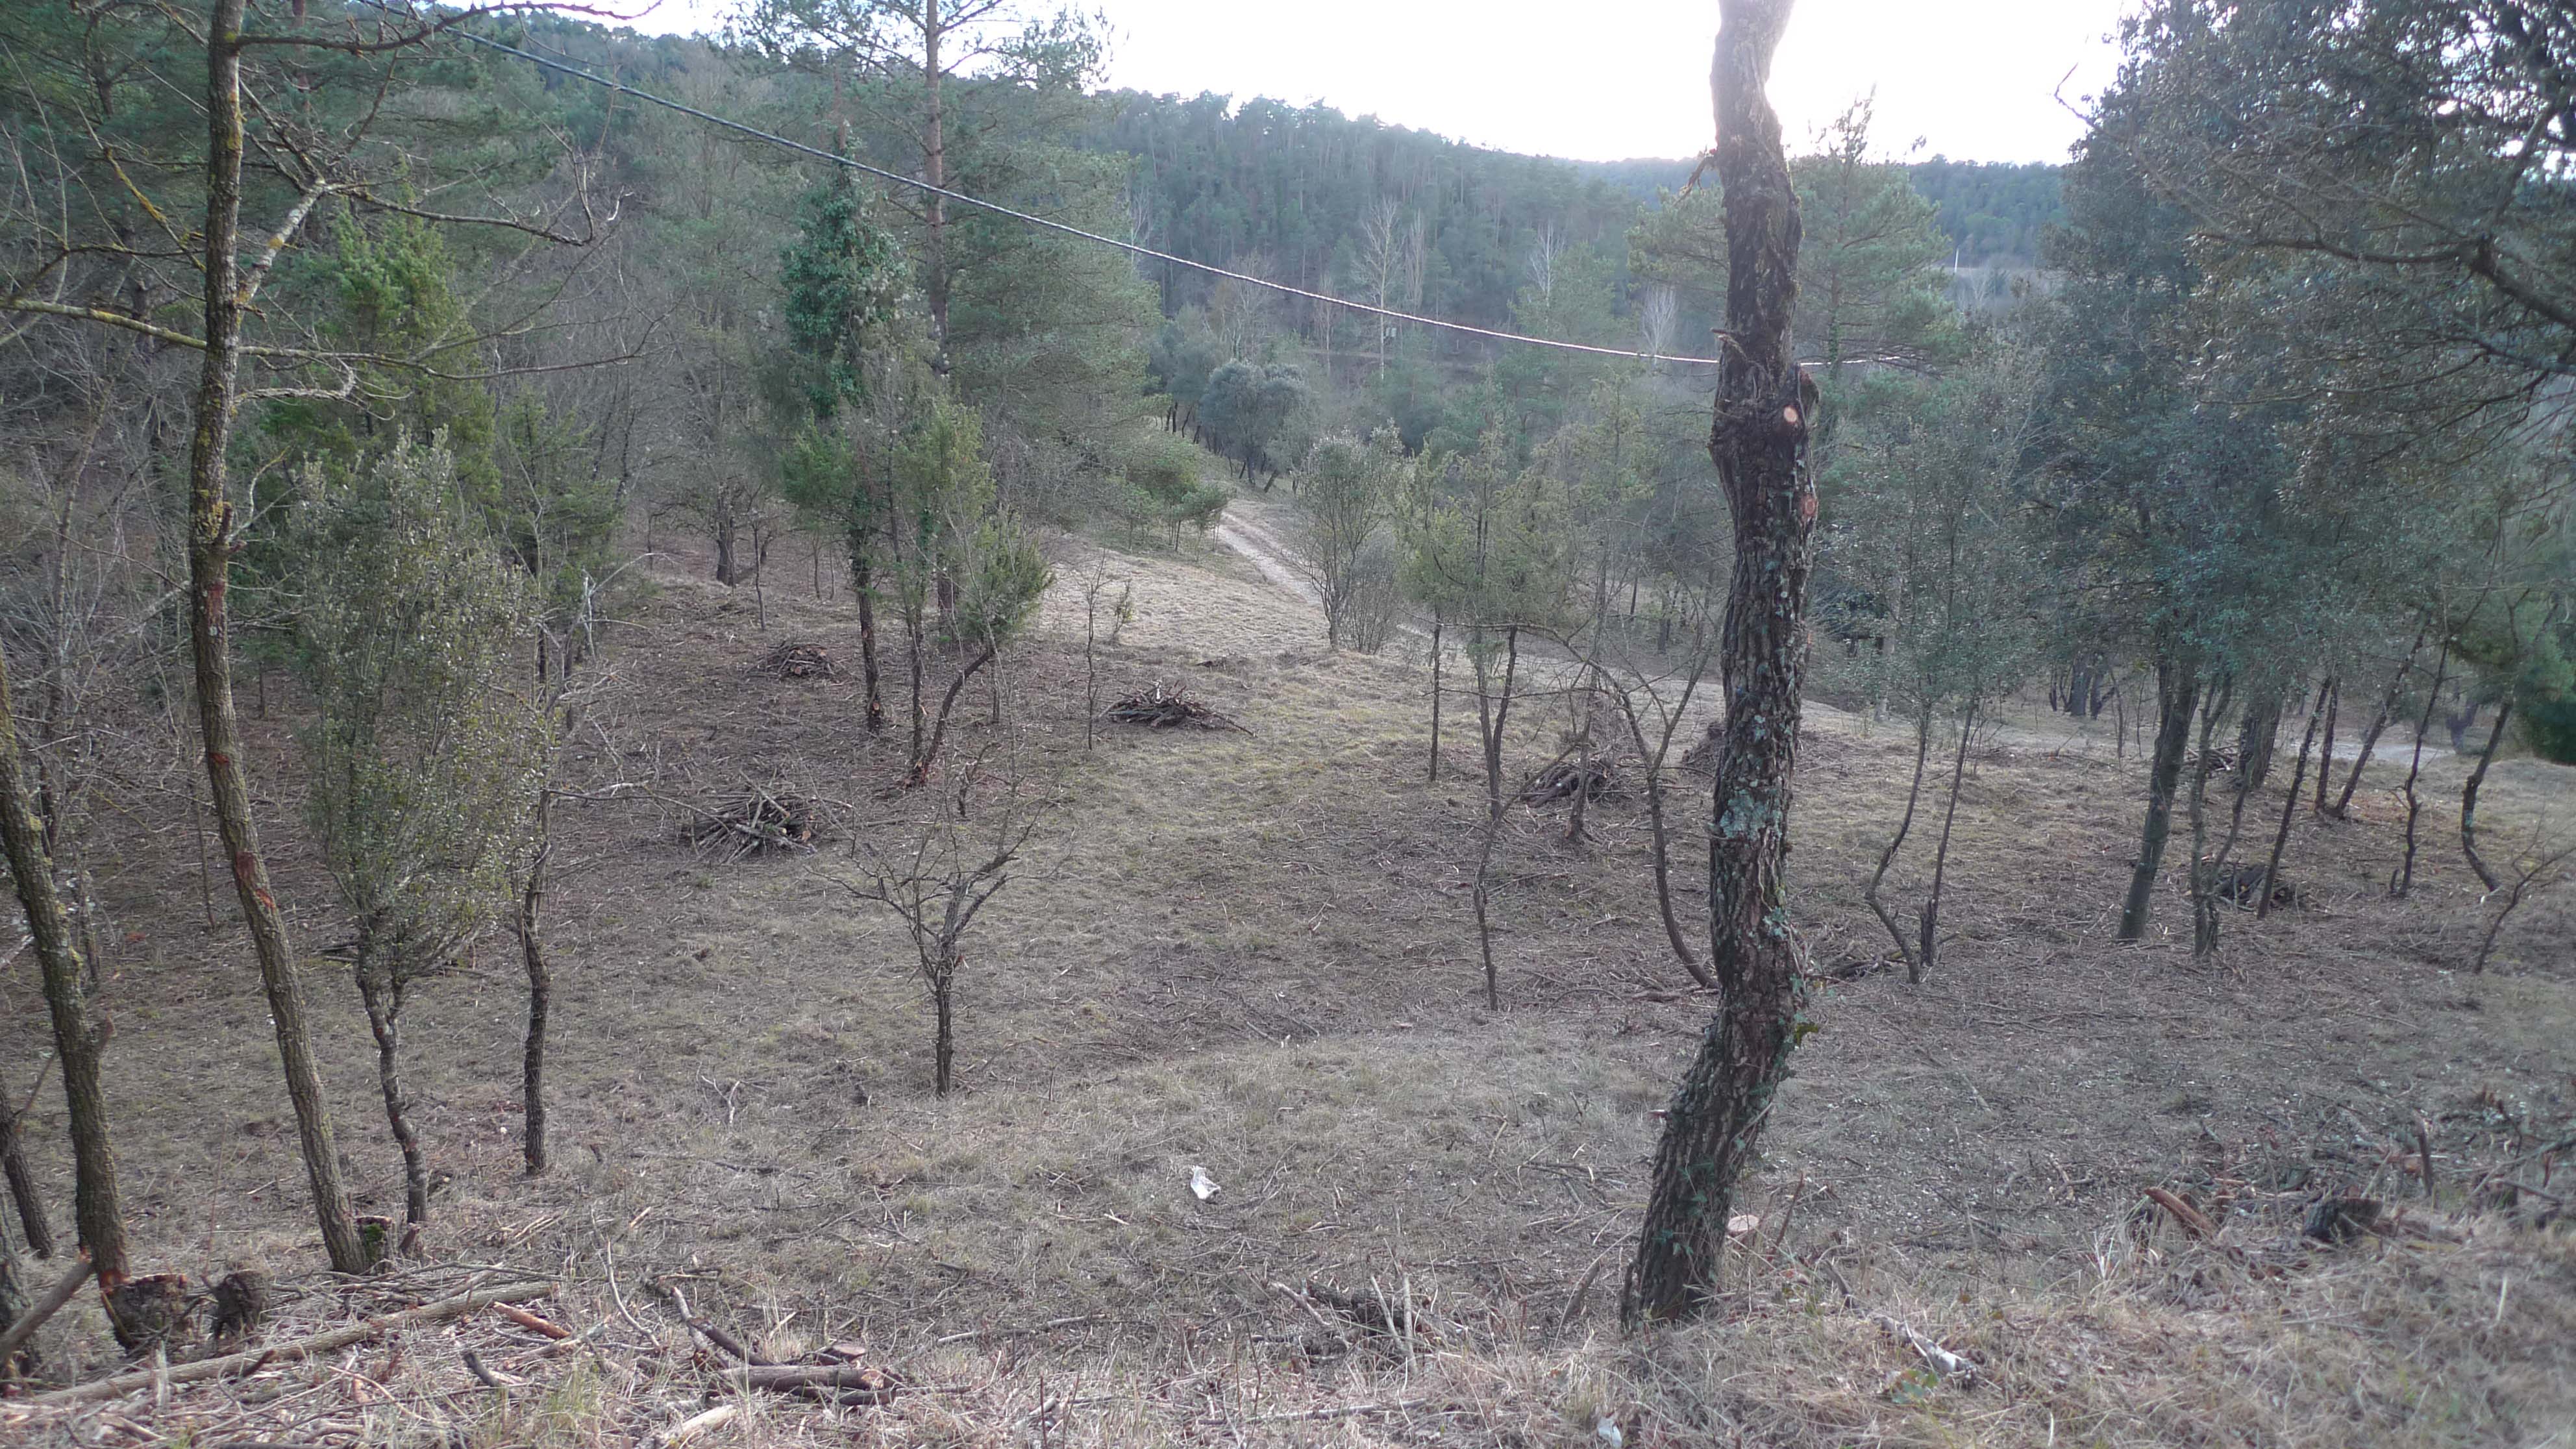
(1167, 706)
(2241, 884)
(751, 822)
(1592, 779)
(2222, 759)
(798, 661)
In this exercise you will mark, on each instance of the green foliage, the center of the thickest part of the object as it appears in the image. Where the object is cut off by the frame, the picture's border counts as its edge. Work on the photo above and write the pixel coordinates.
(1046, 331)
(1489, 541)
(1991, 212)
(1346, 491)
(842, 280)
(1256, 414)
(1164, 486)
(426, 750)
(1297, 186)
(1926, 550)
(1002, 574)
(554, 515)
(1870, 284)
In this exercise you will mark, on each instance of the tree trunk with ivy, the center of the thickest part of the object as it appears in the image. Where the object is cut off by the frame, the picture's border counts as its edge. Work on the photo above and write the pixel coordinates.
(1765, 407)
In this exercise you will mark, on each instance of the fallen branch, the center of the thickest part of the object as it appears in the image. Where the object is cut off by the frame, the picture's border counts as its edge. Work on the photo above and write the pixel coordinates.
(691, 1427)
(2193, 1220)
(46, 1307)
(1336, 1411)
(531, 1322)
(753, 821)
(809, 1376)
(1942, 1361)
(1592, 779)
(302, 1348)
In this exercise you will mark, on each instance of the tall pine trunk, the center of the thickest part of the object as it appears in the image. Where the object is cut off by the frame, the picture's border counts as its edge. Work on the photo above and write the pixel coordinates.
(210, 550)
(1758, 440)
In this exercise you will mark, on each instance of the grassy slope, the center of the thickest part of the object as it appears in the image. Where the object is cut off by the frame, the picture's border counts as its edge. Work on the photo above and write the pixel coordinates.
(1252, 953)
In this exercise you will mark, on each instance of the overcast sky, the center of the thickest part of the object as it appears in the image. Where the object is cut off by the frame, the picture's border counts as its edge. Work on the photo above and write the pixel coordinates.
(1973, 79)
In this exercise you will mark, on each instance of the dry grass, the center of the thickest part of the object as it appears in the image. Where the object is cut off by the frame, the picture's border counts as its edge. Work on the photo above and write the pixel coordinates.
(1250, 954)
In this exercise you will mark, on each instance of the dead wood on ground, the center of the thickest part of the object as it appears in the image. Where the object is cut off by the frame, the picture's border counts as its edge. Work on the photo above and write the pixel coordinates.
(1593, 779)
(753, 821)
(798, 661)
(1168, 706)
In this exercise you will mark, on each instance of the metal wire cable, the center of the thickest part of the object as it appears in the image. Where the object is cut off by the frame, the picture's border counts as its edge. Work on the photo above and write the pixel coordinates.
(1131, 248)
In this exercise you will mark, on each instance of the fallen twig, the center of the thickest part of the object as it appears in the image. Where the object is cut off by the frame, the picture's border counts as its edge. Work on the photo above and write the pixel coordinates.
(2193, 1220)
(1941, 1360)
(696, 1424)
(531, 1322)
(303, 1348)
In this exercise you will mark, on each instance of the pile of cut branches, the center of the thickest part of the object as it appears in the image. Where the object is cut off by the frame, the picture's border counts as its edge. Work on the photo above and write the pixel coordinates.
(2240, 884)
(1592, 779)
(1167, 706)
(798, 661)
(753, 821)
(2223, 759)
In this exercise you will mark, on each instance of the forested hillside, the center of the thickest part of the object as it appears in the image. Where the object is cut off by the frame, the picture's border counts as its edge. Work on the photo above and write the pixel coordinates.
(1994, 213)
(827, 736)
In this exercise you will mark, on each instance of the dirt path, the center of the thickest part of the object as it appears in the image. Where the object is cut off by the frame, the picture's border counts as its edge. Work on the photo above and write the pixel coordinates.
(1257, 543)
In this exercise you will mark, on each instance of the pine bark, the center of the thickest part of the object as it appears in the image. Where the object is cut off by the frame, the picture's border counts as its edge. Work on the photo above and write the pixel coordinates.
(1758, 440)
(210, 548)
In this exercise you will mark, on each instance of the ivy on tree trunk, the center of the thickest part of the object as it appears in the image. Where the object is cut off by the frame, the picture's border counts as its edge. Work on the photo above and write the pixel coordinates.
(1764, 411)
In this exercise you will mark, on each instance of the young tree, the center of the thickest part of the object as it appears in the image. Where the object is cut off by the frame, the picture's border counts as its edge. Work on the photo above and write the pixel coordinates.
(949, 549)
(554, 520)
(1935, 471)
(1870, 282)
(842, 291)
(1491, 552)
(1341, 503)
(1764, 412)
(937, 886)
(1257, 415)
(427, 753)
